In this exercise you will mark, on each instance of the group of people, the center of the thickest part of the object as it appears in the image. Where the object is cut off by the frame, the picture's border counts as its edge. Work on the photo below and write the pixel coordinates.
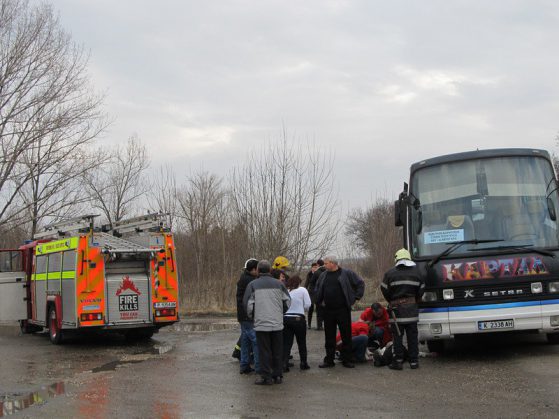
(272, 308)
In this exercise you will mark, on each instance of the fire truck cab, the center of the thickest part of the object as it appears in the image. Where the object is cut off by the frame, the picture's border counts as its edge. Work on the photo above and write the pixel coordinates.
(74, 276)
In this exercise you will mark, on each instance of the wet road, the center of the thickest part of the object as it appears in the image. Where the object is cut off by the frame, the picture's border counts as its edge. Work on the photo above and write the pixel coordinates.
(184, 373)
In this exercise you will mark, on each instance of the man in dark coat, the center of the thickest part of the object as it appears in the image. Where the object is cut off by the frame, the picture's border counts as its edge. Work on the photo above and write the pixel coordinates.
(403, 286)
(337, 290)
(248, 335)
(311, 287)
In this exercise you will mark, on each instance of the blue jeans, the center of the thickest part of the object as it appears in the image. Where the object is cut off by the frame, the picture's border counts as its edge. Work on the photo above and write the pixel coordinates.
(359, 347)
(248, 345)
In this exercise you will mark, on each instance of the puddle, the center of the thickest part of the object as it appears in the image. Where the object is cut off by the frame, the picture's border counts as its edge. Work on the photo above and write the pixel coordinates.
(205, 327)
(14, 402)
(113, 365)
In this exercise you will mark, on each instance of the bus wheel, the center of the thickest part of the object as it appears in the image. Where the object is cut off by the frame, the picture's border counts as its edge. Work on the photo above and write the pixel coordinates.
(553, 338)
(436, 346)
(55, 334)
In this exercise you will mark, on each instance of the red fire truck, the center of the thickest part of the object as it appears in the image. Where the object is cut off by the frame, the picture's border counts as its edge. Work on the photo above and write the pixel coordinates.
(74, 276)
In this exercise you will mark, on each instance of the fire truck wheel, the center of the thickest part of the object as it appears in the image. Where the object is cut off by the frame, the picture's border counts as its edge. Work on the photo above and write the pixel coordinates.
(553, 338)
(436, 346)
(139, 334)
(55, 334)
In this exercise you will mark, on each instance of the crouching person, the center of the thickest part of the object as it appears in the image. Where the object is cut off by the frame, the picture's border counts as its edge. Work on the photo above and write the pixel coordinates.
(359, 341)
(266, 300)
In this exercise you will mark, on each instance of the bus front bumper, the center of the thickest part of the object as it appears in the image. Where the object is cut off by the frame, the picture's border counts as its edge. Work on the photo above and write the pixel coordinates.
(445, 322)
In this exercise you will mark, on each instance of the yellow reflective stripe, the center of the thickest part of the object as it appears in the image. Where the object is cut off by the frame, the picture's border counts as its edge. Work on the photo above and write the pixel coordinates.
(68, 274)
(39, 277)
(53, 275)
(57, 246)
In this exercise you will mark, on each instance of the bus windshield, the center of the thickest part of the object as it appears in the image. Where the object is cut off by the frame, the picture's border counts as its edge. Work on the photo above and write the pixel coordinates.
(502, 199)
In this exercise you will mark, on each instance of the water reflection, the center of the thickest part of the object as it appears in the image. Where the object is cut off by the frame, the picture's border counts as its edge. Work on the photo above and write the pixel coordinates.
(13, 403)
(204, 327)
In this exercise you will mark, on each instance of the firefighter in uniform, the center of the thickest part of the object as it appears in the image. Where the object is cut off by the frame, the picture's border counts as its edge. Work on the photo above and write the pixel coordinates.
(403, 287)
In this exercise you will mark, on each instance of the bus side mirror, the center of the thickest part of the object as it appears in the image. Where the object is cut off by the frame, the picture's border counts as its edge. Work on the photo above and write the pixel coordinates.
(551, 209)
(398, 213)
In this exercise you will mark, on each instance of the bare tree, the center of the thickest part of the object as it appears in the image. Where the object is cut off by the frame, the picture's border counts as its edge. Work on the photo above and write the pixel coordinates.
(211, 248)
(285, 198)
(115, 187)
(373, 232)
(162, 196)
(54, 190)
(46, 103)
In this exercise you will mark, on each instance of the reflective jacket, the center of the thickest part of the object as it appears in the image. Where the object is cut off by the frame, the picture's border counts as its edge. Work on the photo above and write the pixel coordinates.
(402, 286)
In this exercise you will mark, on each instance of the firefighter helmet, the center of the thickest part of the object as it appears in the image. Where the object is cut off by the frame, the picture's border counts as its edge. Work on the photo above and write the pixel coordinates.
(281, 262)
(402, 254)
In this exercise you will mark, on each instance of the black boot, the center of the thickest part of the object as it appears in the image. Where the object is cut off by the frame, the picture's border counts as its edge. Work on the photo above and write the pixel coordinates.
(236, 352)
(304, 366)
(396, 365)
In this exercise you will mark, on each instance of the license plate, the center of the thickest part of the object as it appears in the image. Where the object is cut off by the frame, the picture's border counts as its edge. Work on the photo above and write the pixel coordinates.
(166, 304)
(496, 324)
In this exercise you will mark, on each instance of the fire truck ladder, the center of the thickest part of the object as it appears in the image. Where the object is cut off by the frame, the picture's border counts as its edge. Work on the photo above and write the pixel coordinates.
(65, 228)
(112, 244)
(148, 222)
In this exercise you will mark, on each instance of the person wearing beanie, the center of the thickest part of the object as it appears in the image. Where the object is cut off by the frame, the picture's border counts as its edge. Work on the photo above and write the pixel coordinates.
(402, 286)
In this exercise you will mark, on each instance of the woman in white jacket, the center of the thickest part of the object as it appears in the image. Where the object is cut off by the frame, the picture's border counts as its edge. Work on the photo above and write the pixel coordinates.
(294, 323)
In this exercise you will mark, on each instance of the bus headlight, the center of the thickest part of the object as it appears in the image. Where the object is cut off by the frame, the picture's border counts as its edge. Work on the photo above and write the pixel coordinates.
(536, 287)
(448, 294)
(553, 287)
(436, 328)
(429, 296)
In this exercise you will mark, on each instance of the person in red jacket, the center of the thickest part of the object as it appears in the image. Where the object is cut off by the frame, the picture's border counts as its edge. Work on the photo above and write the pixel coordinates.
(378, 320)
(359, 340)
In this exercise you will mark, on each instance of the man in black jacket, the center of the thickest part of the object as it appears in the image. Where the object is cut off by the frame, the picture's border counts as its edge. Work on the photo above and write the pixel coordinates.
(248, 335)
(311, 287)
(403, 286)
(337, 290)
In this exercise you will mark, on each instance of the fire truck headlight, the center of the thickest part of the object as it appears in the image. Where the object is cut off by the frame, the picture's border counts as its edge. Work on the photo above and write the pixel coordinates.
(429, 296)
(448, 294)
(536, 287)
(553, 287)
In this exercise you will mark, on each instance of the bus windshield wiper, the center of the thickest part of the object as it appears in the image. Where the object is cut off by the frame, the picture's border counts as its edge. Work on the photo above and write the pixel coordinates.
(456, 245)
(526, 247)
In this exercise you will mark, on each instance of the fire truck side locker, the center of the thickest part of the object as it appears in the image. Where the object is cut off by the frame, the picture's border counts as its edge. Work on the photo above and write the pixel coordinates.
(13, 295)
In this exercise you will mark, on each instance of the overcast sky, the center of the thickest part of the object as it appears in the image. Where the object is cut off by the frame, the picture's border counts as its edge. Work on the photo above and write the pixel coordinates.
(382, 84)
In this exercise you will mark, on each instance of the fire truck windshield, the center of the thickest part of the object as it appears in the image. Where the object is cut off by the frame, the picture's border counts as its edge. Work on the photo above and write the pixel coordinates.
(507, 199)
